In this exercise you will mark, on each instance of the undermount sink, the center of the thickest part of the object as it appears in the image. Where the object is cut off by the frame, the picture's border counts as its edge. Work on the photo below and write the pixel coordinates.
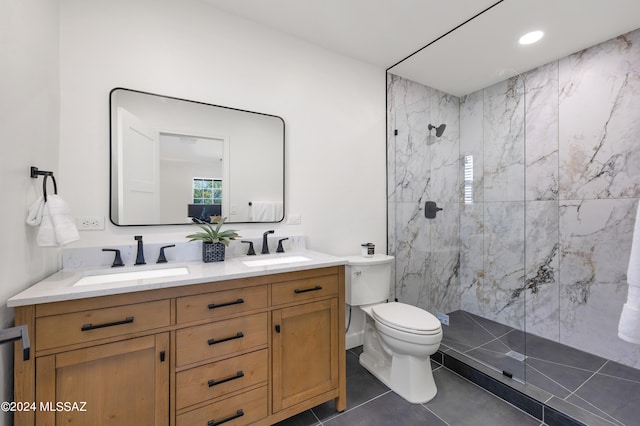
(275, 261)
(115, 277)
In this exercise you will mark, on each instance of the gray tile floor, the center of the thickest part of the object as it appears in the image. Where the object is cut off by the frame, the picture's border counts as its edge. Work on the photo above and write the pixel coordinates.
(369, 402)
(576, 379)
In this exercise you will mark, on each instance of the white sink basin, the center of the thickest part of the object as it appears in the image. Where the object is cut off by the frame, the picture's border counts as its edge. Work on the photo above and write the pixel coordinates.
(115, 277)
(275, 260)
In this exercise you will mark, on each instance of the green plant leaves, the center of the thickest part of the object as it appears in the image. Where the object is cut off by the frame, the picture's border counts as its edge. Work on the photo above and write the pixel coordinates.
(212, 234)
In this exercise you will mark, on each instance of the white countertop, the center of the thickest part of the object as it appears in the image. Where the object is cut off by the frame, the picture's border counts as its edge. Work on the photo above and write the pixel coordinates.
(60, 286)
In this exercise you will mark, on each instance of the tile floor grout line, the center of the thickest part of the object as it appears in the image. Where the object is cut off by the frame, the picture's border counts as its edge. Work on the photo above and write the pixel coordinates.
(578, 396)
(473, 348)
(352, 408)
(432, 412)
(600, 412)
(566, 365)
(619, 423)
(487, 330)
(590, 377)
(619, 378)
(493, 394)
(557, 383)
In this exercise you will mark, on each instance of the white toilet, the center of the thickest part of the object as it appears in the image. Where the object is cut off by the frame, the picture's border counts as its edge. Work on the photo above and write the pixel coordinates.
(397, 338)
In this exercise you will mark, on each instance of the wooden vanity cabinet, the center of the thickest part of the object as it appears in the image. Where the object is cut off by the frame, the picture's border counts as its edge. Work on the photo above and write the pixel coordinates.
(121, 383)
(245, 351)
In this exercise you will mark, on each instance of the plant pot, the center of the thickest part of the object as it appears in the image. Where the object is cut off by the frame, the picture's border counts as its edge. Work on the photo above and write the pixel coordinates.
(212, 252)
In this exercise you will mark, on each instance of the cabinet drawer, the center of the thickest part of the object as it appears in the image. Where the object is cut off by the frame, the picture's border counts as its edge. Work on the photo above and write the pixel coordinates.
(239, 410)
(220, 303)
(78, 327)
(220, 338)
(219, 378)
(302, 290)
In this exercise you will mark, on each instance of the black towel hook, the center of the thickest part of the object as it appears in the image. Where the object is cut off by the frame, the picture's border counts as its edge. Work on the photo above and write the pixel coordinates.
(35, 173)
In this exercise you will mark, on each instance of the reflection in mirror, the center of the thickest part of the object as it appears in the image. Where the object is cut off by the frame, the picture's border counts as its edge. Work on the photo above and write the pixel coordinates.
(173, 160)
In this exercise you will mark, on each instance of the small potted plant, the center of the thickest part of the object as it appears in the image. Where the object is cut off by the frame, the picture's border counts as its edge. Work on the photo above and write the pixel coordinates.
(213, 240)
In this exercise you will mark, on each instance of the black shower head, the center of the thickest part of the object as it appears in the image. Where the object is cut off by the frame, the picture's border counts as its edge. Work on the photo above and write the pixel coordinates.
(439, 129)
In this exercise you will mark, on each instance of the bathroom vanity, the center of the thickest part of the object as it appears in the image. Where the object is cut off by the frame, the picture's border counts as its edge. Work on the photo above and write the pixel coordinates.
(226, 343)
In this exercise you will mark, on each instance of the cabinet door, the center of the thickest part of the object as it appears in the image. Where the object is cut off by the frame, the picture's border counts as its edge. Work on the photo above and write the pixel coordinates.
(305, 352)
(121, 383)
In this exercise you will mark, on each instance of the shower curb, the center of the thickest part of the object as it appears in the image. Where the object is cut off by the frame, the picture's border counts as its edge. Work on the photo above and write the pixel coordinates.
(525, 398)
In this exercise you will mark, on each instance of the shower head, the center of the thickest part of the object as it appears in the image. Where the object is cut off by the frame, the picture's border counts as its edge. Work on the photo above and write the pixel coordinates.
(439, 129)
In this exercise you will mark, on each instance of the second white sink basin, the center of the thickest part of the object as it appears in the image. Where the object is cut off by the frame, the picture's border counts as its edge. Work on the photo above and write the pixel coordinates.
(275, 260)
(114, 277)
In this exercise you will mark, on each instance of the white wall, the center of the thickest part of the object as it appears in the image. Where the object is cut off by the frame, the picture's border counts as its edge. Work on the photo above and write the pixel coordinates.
(29, 117)
(333, 107)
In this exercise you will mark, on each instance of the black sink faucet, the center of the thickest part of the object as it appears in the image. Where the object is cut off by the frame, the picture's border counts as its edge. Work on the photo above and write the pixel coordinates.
(265, 246)
(140, 256)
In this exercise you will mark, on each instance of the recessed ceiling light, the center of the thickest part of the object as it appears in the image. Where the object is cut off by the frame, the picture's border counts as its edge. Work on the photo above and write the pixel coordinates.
(531, 37)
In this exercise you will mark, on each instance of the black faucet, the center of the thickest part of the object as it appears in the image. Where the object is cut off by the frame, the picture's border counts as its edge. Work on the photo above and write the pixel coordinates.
(280, 248)
(117, 260)
(140, 256)
(251, 251)
(265, 246)
(161, 257)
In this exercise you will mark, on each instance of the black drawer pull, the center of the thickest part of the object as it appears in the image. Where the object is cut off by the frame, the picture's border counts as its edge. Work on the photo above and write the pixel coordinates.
(213, 382)
(237, 302)
(297, 290)
(226, 339)
(238, 413)
(87, 327)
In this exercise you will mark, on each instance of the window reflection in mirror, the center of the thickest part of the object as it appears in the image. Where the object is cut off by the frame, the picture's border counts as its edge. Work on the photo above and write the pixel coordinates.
(173, 160)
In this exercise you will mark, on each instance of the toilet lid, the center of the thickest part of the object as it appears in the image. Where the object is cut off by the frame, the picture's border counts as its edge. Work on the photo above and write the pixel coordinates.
(406, 318)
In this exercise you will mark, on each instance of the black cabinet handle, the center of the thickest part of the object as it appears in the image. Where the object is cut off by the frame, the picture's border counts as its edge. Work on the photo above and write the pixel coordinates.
(86, 327)
(220, 305)
(277, 328)
(213, 382)
(238, 413)
(297, 290)
(226, 339)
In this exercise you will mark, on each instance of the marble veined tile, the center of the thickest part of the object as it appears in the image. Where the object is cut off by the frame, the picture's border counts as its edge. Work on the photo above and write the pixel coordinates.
(412, 155)
(541, 286)
(445, 150)
(471, 256)
(501, 297)
(444, 262)
(413, 251)
(600, 121)
(402, 92)
(595, 242)
(503, 126)
(541, 133)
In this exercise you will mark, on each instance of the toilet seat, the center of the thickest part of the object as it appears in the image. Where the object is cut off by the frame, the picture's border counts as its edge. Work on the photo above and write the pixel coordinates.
(406, 318)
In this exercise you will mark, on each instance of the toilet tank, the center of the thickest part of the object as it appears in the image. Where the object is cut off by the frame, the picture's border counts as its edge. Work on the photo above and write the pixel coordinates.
(367, 279)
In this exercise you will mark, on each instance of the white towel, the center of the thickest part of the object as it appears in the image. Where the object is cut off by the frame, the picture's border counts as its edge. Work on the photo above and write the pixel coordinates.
(34, 215)
(63, 223)
(46, 236)
(628, 328)
(56, 225)
(629, 325)
(266, 211)
(633, 272)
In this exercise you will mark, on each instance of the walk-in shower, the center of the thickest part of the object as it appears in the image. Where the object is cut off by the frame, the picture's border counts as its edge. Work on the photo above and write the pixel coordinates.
(528, 266)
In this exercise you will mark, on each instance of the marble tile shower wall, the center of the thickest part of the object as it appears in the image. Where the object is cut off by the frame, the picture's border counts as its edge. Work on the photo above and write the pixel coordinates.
(556, 181)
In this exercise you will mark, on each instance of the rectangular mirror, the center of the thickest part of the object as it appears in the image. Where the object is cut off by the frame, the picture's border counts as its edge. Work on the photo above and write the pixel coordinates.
(173, 160)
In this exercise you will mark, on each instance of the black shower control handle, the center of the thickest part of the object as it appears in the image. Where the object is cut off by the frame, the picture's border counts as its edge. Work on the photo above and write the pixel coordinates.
(430, 209)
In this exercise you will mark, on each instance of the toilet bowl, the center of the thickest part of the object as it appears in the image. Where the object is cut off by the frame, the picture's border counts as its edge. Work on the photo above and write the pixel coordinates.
(398, 342)
(397, 339)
